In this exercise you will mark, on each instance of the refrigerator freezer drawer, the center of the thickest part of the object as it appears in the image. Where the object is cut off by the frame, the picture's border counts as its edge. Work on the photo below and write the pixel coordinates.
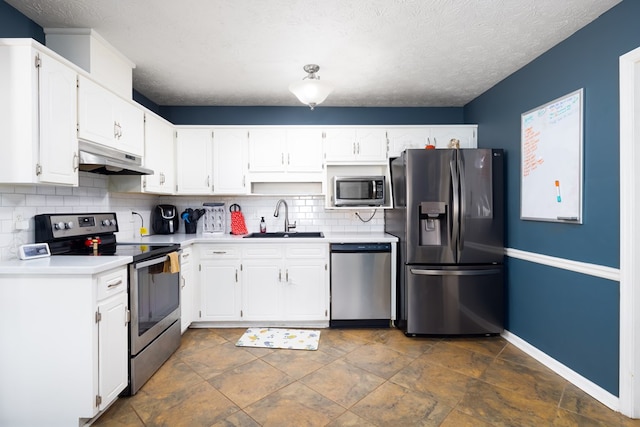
(454, 301)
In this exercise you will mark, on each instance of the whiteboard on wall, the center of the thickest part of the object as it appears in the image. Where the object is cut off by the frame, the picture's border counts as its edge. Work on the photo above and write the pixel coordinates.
(551, 161)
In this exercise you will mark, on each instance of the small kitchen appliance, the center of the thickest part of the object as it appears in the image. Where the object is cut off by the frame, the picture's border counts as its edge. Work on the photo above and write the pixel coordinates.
(358, 191)
(165, 219)
(214, 218)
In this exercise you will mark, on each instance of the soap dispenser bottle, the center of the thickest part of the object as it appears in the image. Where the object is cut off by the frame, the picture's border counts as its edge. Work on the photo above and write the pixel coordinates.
(263, 226)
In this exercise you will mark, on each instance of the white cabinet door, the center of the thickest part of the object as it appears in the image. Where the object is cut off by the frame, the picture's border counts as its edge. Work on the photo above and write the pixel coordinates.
(130, 120)
(220, 290)
(187, 289)
(340, 144)
(305, 290)
(113, 369)
(229, 161)
(38, 118)
(194, 161)
(262, 279)
(159, 156)
(107, 119)
(466, 134)
(96, 115)
(58, 116)
(401, 139)
(267, 150)
(304, 150)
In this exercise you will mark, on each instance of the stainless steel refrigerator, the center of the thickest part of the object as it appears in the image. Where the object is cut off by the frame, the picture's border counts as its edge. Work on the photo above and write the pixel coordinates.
(448, 214)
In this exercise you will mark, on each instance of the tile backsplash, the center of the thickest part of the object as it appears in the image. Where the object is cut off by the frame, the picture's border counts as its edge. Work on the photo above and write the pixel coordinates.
(93, 195)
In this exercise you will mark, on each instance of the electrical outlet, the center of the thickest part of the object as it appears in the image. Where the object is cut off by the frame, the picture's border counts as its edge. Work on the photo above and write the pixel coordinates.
(20, 222)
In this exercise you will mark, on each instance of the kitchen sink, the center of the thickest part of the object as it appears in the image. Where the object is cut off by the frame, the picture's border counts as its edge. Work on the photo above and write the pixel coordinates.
(289, 234)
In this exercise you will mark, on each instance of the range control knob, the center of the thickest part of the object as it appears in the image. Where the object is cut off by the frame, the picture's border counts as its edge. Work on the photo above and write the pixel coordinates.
(106, 222)
(59, 225)
(69, 225)
(113, 222)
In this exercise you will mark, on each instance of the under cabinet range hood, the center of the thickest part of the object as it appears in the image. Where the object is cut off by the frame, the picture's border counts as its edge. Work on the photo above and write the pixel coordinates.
(107, 161)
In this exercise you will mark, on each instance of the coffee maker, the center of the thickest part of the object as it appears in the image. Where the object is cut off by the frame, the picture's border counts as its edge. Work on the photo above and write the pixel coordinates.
(165, 219)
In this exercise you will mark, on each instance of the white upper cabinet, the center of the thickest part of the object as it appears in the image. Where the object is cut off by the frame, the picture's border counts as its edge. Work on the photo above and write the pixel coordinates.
(37, 116)
(364, 144)
(194, 160)
(285, 150)
(159, 155)
(404, 137)
(444, 136)
(229, 161)
(107, 119)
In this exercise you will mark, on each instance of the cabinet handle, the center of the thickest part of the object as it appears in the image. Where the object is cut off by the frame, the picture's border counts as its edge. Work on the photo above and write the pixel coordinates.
(279, 275)
(288, 158)
(219, 252)
(183, 282)
(115, 130)
(114, 284)
(208, 180)
(354, 148)
(76, 162)
(282, 158)
(236, 275)
(358, 148)
(287, 275)
(185, 256)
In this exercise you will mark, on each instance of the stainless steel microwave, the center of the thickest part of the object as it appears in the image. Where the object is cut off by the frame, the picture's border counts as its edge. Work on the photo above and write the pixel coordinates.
(358, 191)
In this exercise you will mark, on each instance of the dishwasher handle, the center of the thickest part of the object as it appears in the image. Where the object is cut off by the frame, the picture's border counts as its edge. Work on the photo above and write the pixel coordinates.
(360, 247)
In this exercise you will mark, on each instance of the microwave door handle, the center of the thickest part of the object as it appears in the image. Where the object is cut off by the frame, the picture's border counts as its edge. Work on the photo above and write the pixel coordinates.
(373, 189)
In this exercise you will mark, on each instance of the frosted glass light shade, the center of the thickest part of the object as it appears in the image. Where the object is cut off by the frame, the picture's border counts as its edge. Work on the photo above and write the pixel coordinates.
(311, 91)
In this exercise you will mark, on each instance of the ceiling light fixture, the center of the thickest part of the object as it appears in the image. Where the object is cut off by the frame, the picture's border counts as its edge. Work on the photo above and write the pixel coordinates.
(310, 90)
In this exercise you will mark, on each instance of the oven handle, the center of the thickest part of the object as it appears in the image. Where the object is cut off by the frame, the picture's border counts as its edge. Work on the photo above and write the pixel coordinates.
(151, 262)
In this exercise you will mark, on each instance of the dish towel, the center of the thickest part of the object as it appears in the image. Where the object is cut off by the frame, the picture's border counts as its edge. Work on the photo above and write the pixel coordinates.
(238, 225)
(172, 263)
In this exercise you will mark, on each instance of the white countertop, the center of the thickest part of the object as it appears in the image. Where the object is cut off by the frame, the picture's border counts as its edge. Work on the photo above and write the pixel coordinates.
(64, 265)
(90, 265)
(189, 239)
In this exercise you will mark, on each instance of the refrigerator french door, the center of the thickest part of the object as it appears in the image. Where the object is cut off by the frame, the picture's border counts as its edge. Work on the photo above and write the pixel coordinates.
(448, 215)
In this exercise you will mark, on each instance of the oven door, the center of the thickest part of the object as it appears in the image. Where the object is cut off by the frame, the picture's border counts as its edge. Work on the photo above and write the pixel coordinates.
(154, 301)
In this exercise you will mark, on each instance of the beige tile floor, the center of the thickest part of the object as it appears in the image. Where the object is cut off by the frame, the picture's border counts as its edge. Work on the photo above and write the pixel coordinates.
(357, 377)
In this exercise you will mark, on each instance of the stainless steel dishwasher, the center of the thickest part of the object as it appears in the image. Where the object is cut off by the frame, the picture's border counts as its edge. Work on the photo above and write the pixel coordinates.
(360, 284)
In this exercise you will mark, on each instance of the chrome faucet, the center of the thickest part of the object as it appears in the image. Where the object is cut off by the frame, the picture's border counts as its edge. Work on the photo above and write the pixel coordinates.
(287, 226)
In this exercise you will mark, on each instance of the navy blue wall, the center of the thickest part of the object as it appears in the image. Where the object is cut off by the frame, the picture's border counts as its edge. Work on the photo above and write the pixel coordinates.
(568, 316)
(15, 24)
(304, 116)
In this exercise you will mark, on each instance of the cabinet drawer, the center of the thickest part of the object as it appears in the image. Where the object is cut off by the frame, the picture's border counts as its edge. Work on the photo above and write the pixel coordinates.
(306, 251)
(112, 282)
(186, 255)
(262, 251)
(220, 252)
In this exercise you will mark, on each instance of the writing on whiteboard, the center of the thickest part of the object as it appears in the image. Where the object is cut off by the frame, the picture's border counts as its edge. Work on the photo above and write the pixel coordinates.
(551, 160)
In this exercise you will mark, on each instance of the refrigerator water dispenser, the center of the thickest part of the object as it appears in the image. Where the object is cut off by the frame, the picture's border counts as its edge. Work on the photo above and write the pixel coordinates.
(433, 217)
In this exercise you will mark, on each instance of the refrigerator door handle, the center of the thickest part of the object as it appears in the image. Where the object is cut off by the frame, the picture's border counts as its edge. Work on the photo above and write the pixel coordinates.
(463, 200)
(455, 272)
(456, 208)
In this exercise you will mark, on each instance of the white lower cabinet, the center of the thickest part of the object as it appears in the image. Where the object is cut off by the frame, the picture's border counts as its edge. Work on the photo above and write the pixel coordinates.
(271, 283)
(72, 356)
(219, 275)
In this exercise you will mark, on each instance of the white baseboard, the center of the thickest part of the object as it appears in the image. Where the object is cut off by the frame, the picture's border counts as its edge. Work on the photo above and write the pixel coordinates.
(573, 377)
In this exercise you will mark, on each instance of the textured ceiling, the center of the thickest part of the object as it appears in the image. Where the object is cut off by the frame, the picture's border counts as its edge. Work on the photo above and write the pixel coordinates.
(374, 52)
